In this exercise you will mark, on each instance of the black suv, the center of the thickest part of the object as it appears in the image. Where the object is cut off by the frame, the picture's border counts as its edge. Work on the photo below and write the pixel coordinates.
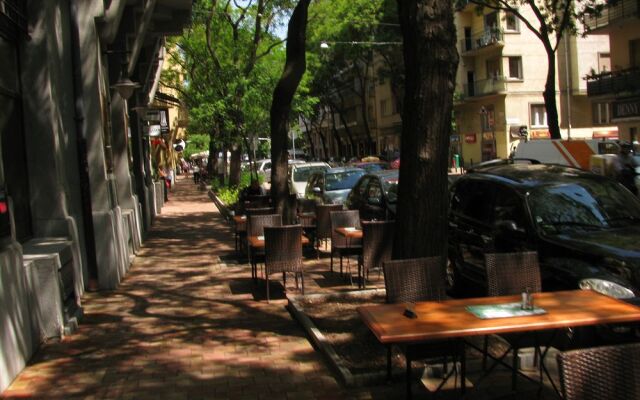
(585, 228)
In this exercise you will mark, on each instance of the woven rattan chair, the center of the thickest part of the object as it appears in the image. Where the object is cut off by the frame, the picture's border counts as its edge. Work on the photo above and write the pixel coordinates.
(339, 244)
(608, 372)
(509, 274)
(413, 280)
(255, 227)
(306, 216)
(323, 223)
(241, 230)
(283, 253)
(377, 244)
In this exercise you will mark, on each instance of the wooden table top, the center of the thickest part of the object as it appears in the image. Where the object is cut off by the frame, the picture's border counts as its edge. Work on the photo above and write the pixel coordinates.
(449, 318)
(256, 242)
(349, 233)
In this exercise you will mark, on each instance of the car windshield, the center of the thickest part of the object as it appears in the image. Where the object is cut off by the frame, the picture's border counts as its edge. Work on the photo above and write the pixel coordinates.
(303, 174)
(342, 180)
(585, 205)
(390, 188)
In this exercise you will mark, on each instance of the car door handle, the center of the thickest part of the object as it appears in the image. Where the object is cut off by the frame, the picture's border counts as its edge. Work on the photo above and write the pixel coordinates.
(485, 238)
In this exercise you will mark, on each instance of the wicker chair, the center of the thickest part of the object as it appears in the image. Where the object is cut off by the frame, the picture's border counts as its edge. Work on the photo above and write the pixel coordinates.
(608, 372)
(509, 274)
(283, 253)
(306, 215)
(377, 244)
(323, 223)
(241, 230)
(255, 227)
(340, 244)
(413, 280)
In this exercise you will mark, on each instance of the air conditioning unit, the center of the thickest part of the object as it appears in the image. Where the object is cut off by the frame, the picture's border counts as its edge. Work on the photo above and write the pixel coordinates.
(50, 276)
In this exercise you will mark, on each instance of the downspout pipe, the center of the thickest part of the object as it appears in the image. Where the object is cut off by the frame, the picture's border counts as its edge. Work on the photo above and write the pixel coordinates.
(81, 144)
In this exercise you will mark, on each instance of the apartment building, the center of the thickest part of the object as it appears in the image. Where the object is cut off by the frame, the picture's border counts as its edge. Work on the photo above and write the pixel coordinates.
(500, 80)
(615, 91)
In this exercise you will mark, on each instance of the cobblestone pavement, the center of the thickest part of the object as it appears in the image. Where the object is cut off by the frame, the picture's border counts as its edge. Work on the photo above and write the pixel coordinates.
(187, 322)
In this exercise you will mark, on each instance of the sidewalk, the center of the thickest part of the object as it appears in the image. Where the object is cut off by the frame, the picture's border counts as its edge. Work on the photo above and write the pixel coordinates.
(182, 325)
(187, 322)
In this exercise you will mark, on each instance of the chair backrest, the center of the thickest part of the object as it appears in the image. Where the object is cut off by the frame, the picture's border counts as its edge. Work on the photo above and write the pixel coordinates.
(323, 219)
(257, 223)
(608, 372)
(258, 200)
(260, 211)
(512, 273)
(283, 248)
(343, 219)
(377, 243)
(306, 206)
(418, 279)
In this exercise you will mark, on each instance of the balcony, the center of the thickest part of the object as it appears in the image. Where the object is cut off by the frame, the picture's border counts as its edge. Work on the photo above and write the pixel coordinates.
(485, 87)
(471, 45)
(622, 81)
(614, 11)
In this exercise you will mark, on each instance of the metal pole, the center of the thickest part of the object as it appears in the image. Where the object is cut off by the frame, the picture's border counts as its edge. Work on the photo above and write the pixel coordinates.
(293, 140)
(568, 83)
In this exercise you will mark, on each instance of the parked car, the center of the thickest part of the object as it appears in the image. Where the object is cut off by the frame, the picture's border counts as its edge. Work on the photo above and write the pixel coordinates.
(372, 166)
(332, 186)
(299, 174)
(267, 170)
(585, 227)
(375, 195)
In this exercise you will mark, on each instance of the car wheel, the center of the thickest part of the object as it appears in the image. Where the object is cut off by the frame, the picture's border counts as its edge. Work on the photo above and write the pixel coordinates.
(453, 278)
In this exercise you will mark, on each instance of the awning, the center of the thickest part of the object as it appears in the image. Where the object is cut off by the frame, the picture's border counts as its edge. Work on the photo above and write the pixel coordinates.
(167, 98)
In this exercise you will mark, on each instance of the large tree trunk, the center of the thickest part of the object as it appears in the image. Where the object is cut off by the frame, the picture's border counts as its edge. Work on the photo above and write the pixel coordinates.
(294, 68)
(234, 168)
(549, 95)
(430, 60)
(212, 162)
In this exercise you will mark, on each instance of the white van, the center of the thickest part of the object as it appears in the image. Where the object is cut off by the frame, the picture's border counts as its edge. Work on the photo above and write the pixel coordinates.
(574, 153)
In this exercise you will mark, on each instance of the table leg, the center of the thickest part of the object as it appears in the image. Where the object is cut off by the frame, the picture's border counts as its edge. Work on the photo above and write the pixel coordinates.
(408, 372)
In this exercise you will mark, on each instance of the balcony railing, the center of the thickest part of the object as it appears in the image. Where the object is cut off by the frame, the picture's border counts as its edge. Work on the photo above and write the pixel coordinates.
(627, 80)
(485, 87)
(613, 11)
(482, 40)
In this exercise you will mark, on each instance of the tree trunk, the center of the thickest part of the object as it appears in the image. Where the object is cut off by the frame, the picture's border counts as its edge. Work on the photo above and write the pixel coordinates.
(234, 168)
(549, 95)
(334, 131)
(294, 68)
(212, 161)
(431, 60)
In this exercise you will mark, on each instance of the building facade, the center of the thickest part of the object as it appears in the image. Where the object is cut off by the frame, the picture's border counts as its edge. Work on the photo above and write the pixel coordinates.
(500, 80)
(76, 189)
(615, 91)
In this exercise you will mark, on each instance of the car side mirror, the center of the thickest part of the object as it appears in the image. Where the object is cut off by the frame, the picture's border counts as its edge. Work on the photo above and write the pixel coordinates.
(317, 190)
(374, 201)
(507, 226)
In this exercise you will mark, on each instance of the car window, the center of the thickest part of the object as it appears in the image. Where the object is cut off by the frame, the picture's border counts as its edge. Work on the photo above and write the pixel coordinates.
(390, 187)
(362, 186)
(508, 206)
(587, 204)
(267, 165)
(342, 180)
(474, 200)
(374, 191)
(302, 174)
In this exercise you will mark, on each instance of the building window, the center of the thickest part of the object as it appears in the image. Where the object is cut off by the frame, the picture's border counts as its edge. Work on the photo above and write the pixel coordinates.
(604, 62)
(538, 115)
(601, 113)
(511, 23)
(515, 67)
(384, 108)
(493, 68)
(634, 53)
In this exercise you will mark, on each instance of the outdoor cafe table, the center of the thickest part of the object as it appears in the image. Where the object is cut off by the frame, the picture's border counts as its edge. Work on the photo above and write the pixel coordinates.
(257, 242)
(450, 319)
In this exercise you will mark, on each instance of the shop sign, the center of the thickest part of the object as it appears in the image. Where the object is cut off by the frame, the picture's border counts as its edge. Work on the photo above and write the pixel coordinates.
(606, 134)
(629, 108)
(540, 134)
(470, 138)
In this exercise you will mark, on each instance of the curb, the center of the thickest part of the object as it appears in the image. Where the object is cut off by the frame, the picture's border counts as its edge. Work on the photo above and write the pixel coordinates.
(224, 210)
(320, 342)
